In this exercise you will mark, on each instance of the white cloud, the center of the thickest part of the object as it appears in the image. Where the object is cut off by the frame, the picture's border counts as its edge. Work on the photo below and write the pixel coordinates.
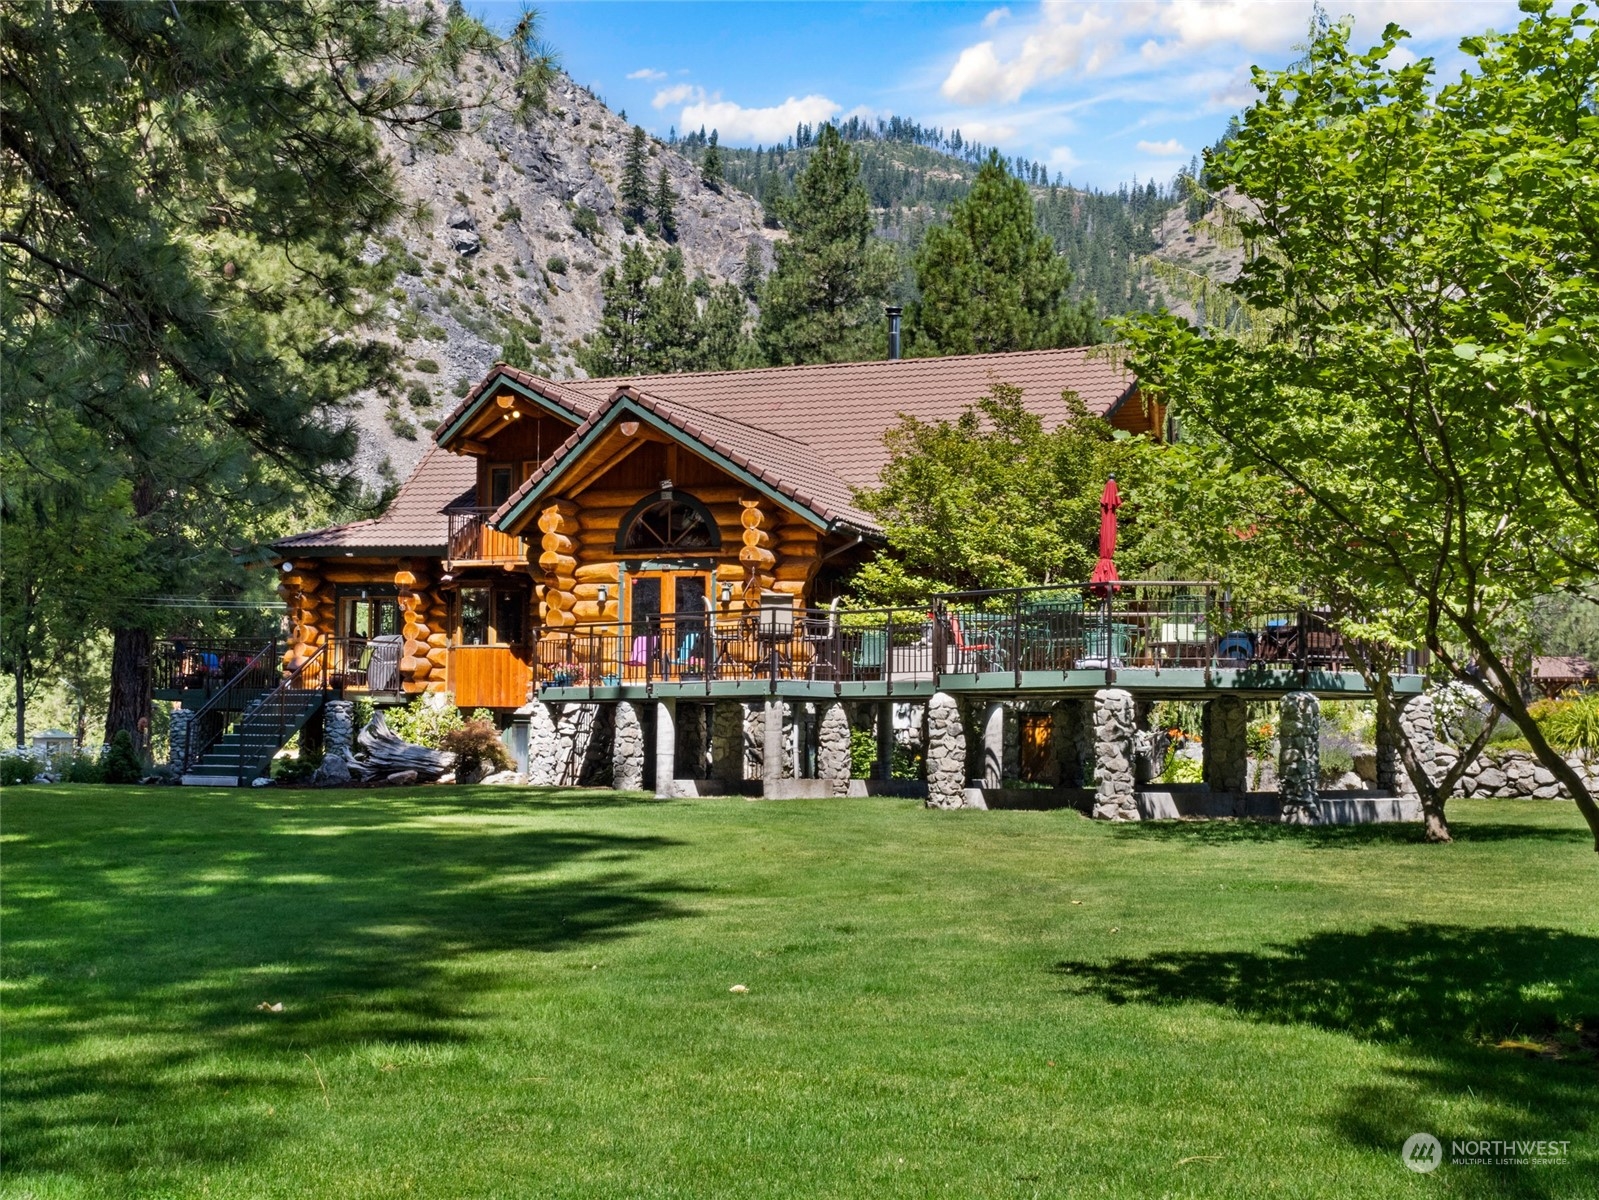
(647, 73)
(1062, 158)
(678, 93)
(995, 17)
(1068, 40)
(736, 123)
(1170, 148)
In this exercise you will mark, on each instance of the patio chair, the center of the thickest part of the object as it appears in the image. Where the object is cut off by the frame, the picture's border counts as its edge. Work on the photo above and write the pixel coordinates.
(984, 656)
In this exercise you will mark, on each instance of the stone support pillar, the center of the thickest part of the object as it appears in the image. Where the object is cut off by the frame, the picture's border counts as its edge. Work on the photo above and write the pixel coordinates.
(885, 741)
(946, 753)
(543, 743)
(1114, 729)
(727, 743)
(665, 747)
(993, 745)
(1299, 755)
(1417, 726)
(1225, 746)
(338, 728)
(178, 737)
(832, 750)
(772, 744)
(627, 749)
(754, 739)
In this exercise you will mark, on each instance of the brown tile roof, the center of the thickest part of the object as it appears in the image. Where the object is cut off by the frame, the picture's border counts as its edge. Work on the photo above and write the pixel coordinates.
(1562, 667)
(788, 467)
(812, 433)
(414, 520)
(840, 411)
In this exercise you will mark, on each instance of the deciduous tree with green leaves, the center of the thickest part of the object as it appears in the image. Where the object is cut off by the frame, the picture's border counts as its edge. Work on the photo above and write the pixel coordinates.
(1422, 281)
(823, 301)
(991, 280)
(993, 499)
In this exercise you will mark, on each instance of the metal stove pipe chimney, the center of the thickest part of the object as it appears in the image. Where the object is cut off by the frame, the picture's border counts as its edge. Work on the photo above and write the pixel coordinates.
(894, 311)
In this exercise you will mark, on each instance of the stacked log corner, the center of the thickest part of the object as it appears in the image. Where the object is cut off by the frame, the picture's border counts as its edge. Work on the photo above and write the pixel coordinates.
(424, 624)
(312, 603)
(756, 556)
(560, 529)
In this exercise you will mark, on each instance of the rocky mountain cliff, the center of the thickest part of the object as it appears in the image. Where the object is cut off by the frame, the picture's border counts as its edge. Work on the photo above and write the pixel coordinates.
(515, 222)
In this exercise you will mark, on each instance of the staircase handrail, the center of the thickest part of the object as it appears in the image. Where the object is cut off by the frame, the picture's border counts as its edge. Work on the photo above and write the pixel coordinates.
(223, 701)
(294, 681)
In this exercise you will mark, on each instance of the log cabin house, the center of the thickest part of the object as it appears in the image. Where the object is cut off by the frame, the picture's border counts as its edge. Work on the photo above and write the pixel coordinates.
(545, 506)
(639, 578)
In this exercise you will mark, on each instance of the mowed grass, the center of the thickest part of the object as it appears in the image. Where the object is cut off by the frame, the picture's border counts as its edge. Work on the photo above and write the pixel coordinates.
(504, 992)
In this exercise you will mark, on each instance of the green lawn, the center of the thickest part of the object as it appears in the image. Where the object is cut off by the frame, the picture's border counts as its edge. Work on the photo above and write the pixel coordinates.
(497, 992)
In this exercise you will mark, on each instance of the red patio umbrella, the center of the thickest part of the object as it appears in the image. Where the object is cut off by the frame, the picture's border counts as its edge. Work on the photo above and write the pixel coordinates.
(1105, 569)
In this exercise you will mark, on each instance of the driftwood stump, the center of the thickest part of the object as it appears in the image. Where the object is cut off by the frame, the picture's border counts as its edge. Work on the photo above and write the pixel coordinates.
(381, 753)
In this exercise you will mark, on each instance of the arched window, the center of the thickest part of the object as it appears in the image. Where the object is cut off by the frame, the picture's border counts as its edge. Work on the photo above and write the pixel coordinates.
(671, 522)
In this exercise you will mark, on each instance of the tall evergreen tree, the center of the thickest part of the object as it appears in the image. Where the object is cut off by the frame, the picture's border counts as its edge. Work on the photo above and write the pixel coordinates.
(189, 194)
(719, 341)
(636, 177)
(711, 166)
(618, 346)
(668, 319)
(823, 300)
(990, 279)
(665, 207)
(754, 270)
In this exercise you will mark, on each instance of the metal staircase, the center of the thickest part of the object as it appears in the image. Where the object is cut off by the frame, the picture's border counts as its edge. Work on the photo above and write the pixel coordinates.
(245, 749)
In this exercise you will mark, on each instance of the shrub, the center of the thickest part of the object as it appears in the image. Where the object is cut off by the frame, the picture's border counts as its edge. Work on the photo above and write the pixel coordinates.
(512, 212)
(419, 397)
(77, 767)
(1335, 761)
(122, 764)
(587, 222)
(1571, 725)
(475, 745)
(427, 366)
(17, 769)
(426, 721)
(556, 265)
(862, 754)
(462, 386)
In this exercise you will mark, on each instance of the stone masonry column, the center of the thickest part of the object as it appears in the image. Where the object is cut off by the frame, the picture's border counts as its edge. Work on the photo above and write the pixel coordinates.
(338, 727)
(1226, 746)
(946, 753)
(1114, 728)
(543, 744)
(727, 743)
(885, 741)
(177, 738)
(772, 748)
(1299, 756)
(627, 749)
(993, 745)
(665, 747)
(832, 748)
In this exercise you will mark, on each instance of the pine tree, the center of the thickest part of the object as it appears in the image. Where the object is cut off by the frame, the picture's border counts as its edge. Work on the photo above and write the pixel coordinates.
(719, 342)
(823, 300)
(990, 279)
(618, 346)
(186, 316)
(754, 270)
(635, 177)
(711, 166)
(669, 318)
(665, 207)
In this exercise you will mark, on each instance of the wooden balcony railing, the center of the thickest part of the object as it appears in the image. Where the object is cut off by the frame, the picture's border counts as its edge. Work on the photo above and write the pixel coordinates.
(474, 540)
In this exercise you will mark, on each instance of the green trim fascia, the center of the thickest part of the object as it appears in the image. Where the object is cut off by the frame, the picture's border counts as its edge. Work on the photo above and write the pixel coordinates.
(628, 405)
(527, 393)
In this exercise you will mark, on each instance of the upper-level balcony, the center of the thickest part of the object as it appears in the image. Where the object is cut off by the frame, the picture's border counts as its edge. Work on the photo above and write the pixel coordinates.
(473, 540)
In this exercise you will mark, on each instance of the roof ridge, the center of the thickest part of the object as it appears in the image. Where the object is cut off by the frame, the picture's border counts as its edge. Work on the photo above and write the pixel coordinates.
(622, 380)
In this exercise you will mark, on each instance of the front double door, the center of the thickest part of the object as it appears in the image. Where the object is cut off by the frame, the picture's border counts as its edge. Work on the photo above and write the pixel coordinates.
(668, 622)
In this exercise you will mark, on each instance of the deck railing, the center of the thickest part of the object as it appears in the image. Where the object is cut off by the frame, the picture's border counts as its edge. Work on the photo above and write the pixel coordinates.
(202, 664)
(256, 676)
(473, 539)
(1161, 625)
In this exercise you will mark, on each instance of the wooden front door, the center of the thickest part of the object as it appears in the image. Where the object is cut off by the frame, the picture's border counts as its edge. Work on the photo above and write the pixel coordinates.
(667, 625)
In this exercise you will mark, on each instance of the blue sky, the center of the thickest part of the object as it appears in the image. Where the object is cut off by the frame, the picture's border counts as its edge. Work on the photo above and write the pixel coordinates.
(1101, 92)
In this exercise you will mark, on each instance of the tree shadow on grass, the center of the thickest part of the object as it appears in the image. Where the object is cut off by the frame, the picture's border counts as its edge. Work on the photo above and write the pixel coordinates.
(1455, 1000)
(1236, 831)
(138, 949)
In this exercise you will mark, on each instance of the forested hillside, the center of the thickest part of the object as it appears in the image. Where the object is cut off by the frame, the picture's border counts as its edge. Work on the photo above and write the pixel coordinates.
(913, 174)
